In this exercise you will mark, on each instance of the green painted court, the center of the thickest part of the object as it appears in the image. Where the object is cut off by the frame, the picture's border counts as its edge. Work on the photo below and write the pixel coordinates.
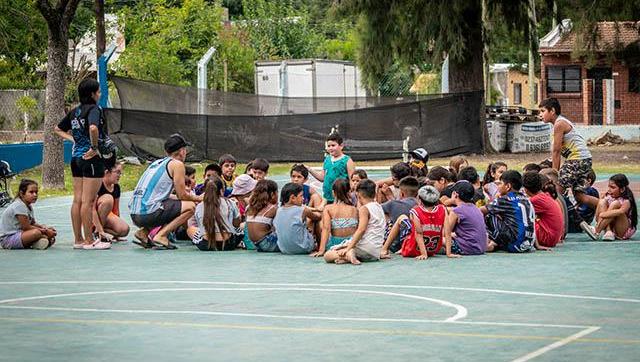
(579, 302)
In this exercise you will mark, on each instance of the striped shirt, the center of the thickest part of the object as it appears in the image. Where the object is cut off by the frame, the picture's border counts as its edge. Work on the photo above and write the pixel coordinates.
(154, 186)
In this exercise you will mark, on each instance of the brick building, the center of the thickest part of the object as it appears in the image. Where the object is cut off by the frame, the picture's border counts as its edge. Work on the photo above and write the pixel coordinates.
(606, 93)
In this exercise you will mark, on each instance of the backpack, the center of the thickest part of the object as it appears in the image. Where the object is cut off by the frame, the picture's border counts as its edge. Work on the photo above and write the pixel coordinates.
(106, 146)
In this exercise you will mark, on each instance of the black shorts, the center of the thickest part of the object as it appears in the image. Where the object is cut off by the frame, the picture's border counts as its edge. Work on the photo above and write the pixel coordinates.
(171, 209)
(91, 168)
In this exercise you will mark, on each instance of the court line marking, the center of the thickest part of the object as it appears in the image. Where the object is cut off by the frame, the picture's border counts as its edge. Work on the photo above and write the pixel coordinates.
(558, 344)
(461, 312)
(332, 285)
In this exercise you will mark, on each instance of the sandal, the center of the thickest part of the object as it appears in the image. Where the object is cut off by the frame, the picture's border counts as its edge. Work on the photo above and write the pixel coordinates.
(144, 245)
(160, 246)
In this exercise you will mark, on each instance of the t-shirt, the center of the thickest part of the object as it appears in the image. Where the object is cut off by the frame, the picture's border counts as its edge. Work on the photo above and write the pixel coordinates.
(228, 212)
(9, 224)
(479, 199)
(448, 191)
(333, 170)
(549, 222)
(199, 189)
(471, 231)
(395, 208)
(115, 194)
(585, 211)
(76, 121)
(228, 185)
(517, 219)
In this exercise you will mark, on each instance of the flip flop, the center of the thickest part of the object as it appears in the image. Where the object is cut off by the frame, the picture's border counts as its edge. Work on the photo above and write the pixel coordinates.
(160, 246)
(142, 244)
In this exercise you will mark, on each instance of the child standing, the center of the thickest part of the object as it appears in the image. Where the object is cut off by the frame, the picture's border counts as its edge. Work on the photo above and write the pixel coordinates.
(491, 176)
(216, 219)
(228, 165)
(290, 222)
(466, 222)
(18, 227)
(424, 227)
(339, 220)
(336, 165)
(366, 243)
(549, 226)
(259, 228)
(510, 216)
(617, 213)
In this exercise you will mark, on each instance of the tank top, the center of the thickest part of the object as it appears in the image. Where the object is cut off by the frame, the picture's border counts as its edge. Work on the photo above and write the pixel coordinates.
(154, 186)
(333, 170)
(432, 226)
(373, 237)
(574, 147)
(115, 194)
(293, 236)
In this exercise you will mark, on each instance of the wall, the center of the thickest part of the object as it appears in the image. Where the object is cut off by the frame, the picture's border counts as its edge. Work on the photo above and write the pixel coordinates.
(571, 102)
(23, 156)
(516, 76)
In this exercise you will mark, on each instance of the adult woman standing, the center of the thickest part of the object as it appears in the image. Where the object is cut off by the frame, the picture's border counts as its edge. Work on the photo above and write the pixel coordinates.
(83, 125)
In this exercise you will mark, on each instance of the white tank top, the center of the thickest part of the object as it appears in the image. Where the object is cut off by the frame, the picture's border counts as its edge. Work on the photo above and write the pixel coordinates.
(154, 186)
(373, 237)
(574, 147)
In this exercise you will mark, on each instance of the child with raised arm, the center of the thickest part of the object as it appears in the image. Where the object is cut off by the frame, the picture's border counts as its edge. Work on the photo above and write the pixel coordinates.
(291, 222)
(465, 231)
(18, 227)
(366, 242)
(549, 226)
(424, 227)
(339, 220)
(388, 192)
(617, 213)
(336, 165)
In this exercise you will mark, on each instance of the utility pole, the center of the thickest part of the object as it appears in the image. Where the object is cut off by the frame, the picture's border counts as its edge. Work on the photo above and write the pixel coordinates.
(554, 21)
(533, 46)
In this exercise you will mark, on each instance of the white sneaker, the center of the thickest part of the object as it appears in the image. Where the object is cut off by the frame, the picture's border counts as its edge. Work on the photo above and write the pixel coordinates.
(589, 230)
(609, 236)
(97, 245)
(41, 244)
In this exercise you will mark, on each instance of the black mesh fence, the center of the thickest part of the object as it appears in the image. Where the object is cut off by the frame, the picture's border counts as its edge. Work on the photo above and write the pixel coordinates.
(290, 129)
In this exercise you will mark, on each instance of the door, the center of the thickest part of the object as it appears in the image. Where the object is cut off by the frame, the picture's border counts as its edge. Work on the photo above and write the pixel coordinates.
(597, 74)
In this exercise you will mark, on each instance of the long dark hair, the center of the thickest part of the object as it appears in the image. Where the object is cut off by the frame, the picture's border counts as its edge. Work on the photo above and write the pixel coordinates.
(261, 196)
(86, 88)
(24, 185)
(492, 168)
(341, 188)
(211, 217)
(623, 182)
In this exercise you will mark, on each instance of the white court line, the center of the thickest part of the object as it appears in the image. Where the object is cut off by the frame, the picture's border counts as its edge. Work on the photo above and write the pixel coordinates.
(461, 312)
(349, 285)
(555, 345)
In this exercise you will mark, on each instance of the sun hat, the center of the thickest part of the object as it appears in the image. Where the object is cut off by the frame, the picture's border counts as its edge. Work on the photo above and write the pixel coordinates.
(243, 184)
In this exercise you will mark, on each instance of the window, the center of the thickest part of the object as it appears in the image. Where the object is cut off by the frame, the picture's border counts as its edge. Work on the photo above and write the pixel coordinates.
(634, 79)
(563, 79)
(517, 93)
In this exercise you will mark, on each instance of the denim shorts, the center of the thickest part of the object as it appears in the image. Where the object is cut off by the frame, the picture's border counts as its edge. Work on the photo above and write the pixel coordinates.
(268, 244)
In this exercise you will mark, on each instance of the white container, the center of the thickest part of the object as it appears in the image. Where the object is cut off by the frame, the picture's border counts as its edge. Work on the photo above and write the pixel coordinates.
(529, 137)
(497, 135)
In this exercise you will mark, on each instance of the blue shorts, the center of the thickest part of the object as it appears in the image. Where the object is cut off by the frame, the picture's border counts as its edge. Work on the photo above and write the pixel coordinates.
(268, 244)
(335, 240)
(406, 227)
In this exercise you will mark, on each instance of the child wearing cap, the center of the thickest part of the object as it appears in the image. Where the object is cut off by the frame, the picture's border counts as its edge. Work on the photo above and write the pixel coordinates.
(243, 186)
(426, 226)
(465, 232)
(228, 165)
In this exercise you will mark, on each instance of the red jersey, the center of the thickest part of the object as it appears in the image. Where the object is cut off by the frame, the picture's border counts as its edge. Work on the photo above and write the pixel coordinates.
(432, 223)
(549, 226)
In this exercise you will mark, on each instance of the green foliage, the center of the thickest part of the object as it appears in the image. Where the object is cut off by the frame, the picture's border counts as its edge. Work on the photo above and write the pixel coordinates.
(341, 48)
(29, 105)
(235, 49)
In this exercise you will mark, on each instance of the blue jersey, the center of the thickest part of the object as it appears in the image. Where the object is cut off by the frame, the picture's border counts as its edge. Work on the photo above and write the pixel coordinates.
(155, 185)
(517, 217)
(78, 121)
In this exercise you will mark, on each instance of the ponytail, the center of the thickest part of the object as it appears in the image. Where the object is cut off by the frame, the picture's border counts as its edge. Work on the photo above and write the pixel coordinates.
(211, 216)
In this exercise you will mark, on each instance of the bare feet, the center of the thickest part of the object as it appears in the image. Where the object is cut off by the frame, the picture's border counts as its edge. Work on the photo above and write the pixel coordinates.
(384, 254)
(352, 257)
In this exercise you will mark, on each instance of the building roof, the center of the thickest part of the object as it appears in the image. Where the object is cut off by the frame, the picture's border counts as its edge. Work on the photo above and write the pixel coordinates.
(610, 35)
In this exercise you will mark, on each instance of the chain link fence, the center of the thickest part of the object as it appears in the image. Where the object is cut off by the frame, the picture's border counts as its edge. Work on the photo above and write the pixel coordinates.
(18, 107)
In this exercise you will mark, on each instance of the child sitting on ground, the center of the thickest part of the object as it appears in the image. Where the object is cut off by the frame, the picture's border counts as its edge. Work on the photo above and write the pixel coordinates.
(421, 233)
(216, 219)
(300, 175)
(339, 220)
(243, 186)
(418, 159)
(259, 169)
(336, 165)
(400, 208)
(291, 222)
(442, 180)
(549, 226)
(551, 185)
(587, 210)
(190, 178)
(366, 242)
(357, 176)
(617, 213)
(18, 227)
(259, 229)
(491, 177)
(465, 230)
(470, 174)
(456, 164)
(510, 216)
(228, 165)
(388, 192)
(212, 169)
(106, 217)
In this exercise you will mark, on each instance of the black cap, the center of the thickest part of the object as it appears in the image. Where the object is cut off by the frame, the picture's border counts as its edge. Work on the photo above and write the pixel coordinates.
(465, 190)
(175, 142)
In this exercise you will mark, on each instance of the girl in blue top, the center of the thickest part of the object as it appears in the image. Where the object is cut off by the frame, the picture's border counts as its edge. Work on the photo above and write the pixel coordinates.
(339, 220)
(336, 165)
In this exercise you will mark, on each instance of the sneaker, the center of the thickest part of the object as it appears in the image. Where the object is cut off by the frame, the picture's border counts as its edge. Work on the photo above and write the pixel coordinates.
(78, 246)
(120, 239)
(609, 236)
(589, 230)
(97, 245)
(41, 244)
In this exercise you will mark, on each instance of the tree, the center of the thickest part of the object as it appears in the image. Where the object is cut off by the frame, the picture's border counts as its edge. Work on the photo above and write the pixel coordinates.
(58, 17)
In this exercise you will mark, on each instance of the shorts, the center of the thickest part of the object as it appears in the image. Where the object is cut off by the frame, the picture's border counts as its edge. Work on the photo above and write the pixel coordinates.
(455, 248)
(12, 241)
(168, 211)
(92, 168)
(230, 244)
(506, 239)
(573, 174)
(268, 243)
(406, 227)
(628, 234)
(362, 254)
(335, 240)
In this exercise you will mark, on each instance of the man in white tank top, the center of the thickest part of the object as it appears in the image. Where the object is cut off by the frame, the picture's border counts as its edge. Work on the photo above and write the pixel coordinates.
(153, 203)
(568, 144)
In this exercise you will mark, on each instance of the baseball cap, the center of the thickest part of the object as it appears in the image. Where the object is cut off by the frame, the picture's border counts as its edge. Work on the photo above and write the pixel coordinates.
(421, 154)
(465, 190)
(175, 142)
(429, 194)
(243, 184)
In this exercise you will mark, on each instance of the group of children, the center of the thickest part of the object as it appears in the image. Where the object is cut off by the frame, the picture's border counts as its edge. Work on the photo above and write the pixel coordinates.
(418, 212)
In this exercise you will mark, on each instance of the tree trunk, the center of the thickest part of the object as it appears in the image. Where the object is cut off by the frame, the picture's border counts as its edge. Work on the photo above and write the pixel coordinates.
(101, 37)
(53, 157)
